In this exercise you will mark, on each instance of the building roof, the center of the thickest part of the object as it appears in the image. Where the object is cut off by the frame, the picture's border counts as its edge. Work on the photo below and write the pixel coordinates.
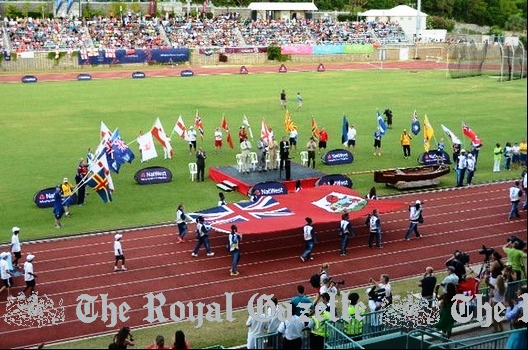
(282, 6)
(398, 11)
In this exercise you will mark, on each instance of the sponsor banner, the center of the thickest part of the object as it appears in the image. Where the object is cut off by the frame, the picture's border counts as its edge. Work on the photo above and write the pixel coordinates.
(186, 73)
(337, 156)
(84, 76)
(26, 54)
(358, 48)
(138, 75)
(45, 198)
(321, 67)
(328, 49)
(136, 56)
(297, 50)
(153, 175)
(335, 180)
(270, 188)
(7, 55)
(432, 158)
(337, 202)
(218, 50)
(29, 79)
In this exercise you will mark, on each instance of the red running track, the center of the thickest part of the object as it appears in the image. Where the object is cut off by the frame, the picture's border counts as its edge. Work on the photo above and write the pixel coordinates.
(461, 219)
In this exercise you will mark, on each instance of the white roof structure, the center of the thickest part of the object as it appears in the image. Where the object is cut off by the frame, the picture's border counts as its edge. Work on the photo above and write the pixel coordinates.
(398, 11)
(282, 6)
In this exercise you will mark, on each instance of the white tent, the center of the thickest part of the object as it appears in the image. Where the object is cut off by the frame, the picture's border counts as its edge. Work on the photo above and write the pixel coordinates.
(282, 10)
(406, 16)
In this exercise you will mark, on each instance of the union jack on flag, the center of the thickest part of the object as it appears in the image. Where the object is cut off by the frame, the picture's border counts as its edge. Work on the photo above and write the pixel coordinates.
(265, 207)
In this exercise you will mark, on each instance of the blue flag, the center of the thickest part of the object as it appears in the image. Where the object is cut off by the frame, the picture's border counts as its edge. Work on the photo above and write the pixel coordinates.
(68, 8)
(415, 124)
(381, 123)
(119, 152)
(99, 182)
(58, 5)
(344, 133)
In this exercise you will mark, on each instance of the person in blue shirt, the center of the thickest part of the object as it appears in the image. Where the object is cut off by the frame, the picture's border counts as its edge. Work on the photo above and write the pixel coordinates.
(299, 298)
(377, 142)
(58, 209)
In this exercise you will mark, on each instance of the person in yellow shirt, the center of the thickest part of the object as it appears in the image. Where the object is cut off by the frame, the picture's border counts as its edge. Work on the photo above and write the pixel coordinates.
(67, 191)
(523, 148)
(405, 141)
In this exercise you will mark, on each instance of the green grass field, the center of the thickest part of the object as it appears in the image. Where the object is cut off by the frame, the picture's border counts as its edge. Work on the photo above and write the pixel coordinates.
(49, 126)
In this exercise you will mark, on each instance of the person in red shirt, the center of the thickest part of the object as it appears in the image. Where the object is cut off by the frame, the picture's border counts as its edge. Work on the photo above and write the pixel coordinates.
(242, 134)
(160, 343)
(323, 139)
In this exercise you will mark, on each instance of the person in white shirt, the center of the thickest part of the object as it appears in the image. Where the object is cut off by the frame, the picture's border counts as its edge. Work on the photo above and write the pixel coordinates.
(5, 274)
(470, 168)
(293, 139)
(218, 139)
(384, 284)
(29, 276)
(118, 252)
(461, 168)
(515, 198)
(292, 333)
(525, 188)
(255, 329)
(351, 138)
(191, 138)
(15, 246)
(245, 147)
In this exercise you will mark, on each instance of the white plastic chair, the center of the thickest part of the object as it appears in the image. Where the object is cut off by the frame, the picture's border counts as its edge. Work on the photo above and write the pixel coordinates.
(278, 159)
(193, 170)
(240, 163)
(254, 160)
(304, 157)
(268, 161)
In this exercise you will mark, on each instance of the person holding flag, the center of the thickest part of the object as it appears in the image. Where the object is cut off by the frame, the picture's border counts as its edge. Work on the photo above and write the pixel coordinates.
(58, 208)
(191, 138)
(428, 133)
(377, 141)
(415, 124)
(67, 193)
(217, 140)
(323, 139)
(405, 141)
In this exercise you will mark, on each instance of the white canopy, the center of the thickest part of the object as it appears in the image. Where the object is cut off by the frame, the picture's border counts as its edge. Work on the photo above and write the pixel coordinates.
(282, 6)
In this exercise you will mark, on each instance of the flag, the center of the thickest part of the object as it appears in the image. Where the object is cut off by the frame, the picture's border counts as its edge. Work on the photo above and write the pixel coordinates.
(315, 130)
(179, 128)
(120, 151)
(226, 128)
(101, 163)
(146, 145)
(428, 133)
(475, 141)
(288, 122)
(105, 132)
(57, 7)
(199, 125)
(415, 124)
(245, 121)
(381, 123)
(159, 134)
(69, 6)
(265, 132)
(344, 130)
(454, 139)
(99, 182)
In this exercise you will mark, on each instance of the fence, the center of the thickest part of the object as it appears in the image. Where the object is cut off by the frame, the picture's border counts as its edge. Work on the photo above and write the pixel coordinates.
(490, 341)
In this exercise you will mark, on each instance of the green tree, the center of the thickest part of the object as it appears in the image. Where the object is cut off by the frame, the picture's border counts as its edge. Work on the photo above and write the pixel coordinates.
(381, 4)
(516, 23)
(475, 11)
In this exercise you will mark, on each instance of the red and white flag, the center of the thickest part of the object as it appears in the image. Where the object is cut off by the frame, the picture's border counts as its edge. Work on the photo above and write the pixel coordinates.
(159, 134)
(179, 128)
(199, 125)
(146, 145)
(265, 132)
(105, 132)
(475, 141)
(226, 128)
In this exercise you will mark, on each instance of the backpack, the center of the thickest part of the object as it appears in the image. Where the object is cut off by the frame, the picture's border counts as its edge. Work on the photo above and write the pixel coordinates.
(315, 280)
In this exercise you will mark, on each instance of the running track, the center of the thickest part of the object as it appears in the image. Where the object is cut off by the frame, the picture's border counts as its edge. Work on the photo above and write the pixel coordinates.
(461, 219)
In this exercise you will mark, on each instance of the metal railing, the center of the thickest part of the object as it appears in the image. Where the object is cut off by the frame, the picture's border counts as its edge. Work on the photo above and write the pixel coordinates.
(489, 341)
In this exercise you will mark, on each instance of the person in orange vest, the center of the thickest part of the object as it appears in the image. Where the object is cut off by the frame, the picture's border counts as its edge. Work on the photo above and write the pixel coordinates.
(405, 141)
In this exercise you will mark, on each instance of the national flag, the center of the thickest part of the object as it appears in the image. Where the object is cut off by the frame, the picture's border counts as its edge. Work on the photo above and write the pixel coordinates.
(99, 182)
(199, 125)
(428, 132)
(344, 130)
(159, 134)
(226, 128)
(265, 132)
(57, 7)
(315, 130)
(475, 141)
(415, 124)
(245, 121)
(288, 122)
(146, 145)
(453, 137)
(121, 152)
(381, 123)
(105, 131)
(70, 4)
(101, 163)
(179, 128)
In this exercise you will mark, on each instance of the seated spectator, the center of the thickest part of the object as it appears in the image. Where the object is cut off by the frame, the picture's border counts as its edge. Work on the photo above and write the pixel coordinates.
(384, 284)
(159, 343)
(179, 341)
(450, 278)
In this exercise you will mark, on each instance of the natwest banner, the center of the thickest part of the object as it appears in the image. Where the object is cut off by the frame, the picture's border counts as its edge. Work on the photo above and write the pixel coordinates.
(335, 180)
(337, 156)
(95, 56)
(270, 188)
(153, 175)
(45, 198)
(434, 157)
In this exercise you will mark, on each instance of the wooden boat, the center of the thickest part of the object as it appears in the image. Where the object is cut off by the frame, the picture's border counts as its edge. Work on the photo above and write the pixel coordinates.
(421, 173)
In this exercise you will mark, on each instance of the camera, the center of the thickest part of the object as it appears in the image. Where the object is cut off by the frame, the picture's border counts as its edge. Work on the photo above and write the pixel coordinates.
(513, 239)
(462, 257)
(341, 283)
(376, 294)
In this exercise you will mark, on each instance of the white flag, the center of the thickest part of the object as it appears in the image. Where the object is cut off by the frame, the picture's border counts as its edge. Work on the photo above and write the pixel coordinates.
(105, 132)
(159, 134)
(245, 121)
(146, 147)
(452, 136)
(179, 128)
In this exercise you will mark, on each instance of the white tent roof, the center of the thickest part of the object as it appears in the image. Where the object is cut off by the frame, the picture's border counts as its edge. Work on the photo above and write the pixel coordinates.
(282, 6)
(398, 11)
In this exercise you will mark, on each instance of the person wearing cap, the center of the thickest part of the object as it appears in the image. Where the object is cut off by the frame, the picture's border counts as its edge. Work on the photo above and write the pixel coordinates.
(58, 208)
(118, 252)
(405, 141)
(515, 198)
(461, 168)
(67, 192)
(190, 136)
(450, 278)
(15, 246)
(5, 274)
(202, 233)
(415, 211)
(234, 249)
(29, 276)
(470, 168)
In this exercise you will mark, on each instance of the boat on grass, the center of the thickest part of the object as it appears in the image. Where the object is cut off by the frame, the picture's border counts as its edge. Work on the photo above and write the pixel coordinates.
(421, 173)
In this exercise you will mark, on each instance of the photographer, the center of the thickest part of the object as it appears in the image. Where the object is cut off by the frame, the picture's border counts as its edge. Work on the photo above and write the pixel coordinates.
(328, 286)
(385, 285)
(516, 256)
(123, 338)
(458, 261)
(428, 283)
